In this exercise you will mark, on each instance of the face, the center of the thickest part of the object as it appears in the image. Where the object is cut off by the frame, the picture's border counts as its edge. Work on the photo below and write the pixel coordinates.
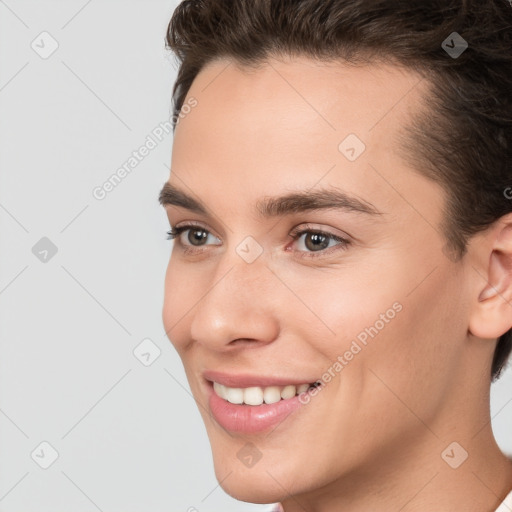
(354, 292)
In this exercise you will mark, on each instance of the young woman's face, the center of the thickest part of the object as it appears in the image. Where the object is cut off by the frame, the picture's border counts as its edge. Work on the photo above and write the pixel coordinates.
(378, 315)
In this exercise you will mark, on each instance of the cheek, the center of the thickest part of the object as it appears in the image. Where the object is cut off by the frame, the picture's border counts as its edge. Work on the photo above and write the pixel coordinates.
(410, 364)
(393, 336)
(179, 299)
(342, 306)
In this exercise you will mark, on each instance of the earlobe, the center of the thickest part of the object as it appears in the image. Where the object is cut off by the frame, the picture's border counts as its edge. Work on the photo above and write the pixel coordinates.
(491, 314)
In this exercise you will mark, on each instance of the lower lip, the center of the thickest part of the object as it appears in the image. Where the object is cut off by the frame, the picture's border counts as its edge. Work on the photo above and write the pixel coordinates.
(250, 418)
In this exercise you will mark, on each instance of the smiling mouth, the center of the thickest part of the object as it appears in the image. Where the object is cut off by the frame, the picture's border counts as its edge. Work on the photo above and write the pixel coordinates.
(256, 395)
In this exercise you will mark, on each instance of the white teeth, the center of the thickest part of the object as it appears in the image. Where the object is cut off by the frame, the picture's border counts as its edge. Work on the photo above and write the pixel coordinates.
(272, 394)
(234, 395)
(219, 389)
(253, 396)
(288, 392)
(257, 395)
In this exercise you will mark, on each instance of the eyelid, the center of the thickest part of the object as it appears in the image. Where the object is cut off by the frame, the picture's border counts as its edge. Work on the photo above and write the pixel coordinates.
(195, 223)
(296, 234)
(333, 232)
(182, 227)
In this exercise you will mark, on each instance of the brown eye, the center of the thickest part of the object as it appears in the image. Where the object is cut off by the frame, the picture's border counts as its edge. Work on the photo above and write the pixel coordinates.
(316, 241)
(196, 236)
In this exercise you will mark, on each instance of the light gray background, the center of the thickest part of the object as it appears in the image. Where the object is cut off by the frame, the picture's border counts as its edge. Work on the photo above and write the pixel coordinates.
(129, 436)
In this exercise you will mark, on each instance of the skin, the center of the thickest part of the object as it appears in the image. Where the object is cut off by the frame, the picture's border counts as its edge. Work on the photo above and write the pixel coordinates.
(372, 439)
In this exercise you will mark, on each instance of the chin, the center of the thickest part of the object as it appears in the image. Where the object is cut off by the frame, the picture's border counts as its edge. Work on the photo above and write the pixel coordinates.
(263, 483)
(252, 490)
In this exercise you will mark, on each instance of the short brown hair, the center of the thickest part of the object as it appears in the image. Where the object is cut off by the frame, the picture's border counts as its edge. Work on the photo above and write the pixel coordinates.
(463, 140)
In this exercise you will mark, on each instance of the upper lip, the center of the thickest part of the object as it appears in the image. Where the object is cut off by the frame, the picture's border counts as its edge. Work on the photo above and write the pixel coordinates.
(247, 381)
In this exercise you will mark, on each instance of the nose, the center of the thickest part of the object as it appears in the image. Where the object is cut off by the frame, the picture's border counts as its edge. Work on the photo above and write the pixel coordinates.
(239, 306)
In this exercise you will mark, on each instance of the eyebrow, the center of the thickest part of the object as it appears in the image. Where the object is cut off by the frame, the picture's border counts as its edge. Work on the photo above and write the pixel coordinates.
(293, 202)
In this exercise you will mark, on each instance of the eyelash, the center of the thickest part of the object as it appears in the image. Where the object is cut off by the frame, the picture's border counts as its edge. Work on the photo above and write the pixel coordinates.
(295, 234)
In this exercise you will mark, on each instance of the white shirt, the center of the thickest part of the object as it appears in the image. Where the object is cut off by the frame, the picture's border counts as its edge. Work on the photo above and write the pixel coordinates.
(506, 504)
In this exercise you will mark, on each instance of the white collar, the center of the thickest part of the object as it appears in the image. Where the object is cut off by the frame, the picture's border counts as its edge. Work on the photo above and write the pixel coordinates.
(506, 504)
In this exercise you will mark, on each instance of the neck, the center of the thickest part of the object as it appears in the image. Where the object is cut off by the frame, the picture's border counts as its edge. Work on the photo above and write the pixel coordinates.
(418, 476)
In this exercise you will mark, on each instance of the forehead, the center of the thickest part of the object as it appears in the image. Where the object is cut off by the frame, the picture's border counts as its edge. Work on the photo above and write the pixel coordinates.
(325, 96)
(288, 124)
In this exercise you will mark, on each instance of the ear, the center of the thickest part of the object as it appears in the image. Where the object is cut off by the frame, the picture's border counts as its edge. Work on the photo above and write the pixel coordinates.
(491, 305)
